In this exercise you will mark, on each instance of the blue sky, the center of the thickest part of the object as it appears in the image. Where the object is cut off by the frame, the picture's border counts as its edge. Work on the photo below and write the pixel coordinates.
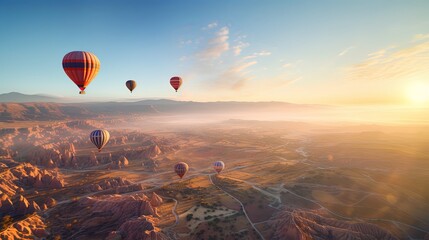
(337, 52)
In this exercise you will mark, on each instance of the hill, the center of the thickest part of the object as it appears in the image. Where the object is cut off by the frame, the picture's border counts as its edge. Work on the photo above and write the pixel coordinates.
(20, 98)
(16, 106)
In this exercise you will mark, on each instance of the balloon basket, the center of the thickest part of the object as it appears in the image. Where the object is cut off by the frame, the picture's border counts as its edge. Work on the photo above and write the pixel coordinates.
(82, 92)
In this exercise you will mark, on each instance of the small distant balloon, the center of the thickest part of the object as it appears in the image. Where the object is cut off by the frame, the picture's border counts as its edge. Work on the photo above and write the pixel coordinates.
(131, 84)
(176, 82)
(218, 166)
(81, 67)
(99, 138)
(181, 168)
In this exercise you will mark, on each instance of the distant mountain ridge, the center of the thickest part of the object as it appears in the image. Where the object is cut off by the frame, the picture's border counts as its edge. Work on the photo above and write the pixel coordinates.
(19, 97)
(45, 108)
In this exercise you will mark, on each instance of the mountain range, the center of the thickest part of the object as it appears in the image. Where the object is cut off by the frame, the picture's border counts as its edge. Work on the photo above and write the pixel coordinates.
(17, 106)
(19, 97)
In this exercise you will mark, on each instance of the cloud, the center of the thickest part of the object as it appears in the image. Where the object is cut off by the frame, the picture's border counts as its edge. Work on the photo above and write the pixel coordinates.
(262, 53)
(186, 42)
(239, 68)
(419, 37)
(392, 63)
(345, 51)
(218, 64)
(210, 26)
(287, 65)
(257, 54)
(239, 47)
(216, 46)
(282, 80)
(234, 77)
(249, 57)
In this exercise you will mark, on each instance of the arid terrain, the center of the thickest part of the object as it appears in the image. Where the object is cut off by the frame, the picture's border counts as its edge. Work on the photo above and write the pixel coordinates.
(283, 179)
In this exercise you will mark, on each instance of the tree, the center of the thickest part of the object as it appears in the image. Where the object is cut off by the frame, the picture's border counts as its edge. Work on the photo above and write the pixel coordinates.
(189, 217)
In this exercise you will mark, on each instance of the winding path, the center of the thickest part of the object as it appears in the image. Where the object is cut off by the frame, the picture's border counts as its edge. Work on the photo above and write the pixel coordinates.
(173, 210)
(242, 207)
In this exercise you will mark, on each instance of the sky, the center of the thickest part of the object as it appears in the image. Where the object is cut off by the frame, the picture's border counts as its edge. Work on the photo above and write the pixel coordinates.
(319, 52)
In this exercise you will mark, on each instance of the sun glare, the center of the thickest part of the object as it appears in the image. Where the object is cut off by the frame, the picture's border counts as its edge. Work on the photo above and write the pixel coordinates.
(419, 93)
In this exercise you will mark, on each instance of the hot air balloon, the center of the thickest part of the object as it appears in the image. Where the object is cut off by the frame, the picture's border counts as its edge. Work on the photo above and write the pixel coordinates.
(81, 67)
(99, 138)
(176, 82)
(181, 168)
(131, 84)
(218, 166)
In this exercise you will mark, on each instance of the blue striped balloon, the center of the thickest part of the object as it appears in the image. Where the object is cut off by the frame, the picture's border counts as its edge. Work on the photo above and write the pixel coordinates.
(99, 138)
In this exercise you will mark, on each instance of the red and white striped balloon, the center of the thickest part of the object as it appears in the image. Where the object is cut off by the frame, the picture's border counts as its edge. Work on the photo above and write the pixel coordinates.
(81, 67)
(176, 82)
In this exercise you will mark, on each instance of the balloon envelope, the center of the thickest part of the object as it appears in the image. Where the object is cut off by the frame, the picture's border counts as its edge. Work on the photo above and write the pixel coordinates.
(181, 168)
(81, 67)
(131, 84)
(218, 166)
(99, 138)
(176, 82)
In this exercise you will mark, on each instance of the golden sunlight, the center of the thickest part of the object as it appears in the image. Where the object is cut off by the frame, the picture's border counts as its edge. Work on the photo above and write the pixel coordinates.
(418, 92)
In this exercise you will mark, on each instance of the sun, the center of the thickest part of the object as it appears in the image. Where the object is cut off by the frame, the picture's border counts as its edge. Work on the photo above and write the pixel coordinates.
(419, 92)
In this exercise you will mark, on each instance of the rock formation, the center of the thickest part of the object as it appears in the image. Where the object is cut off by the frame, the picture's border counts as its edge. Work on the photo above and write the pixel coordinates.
(27, 175)
(112, 217)
(120, 163)
(29, 228)
(117, 185)
(153, 151)
(296, 224)
(19, 206)
(156, 200)
(142, 227)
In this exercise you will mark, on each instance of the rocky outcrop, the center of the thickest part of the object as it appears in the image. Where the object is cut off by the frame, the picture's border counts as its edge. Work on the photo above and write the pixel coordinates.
(153, 151)
(142, 227)
(27, 175)
(24, 175)
(295, 224)
(156, 200)
(55, 146)
(23, 207)
(6, 204)
(93, 159)
(35, 177)
(50, 202)
(108, 217)
(150, 164)
(120, 163)
(120, 207)
(117, 185)
(29, 228)
(19, 206)
(5, 153)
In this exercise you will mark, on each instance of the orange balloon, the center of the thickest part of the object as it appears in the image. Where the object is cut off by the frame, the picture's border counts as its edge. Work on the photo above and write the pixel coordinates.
(81, 67)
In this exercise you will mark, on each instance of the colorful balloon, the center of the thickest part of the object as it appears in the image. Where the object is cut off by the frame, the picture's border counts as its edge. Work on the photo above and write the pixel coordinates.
(131, 84)
(218, 166)
(99, 138)
(81, 67)
(176, 82)
(181, 168)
